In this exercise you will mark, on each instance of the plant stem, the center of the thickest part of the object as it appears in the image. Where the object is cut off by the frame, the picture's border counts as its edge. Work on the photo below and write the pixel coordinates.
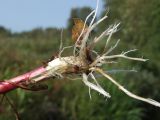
(8, 85)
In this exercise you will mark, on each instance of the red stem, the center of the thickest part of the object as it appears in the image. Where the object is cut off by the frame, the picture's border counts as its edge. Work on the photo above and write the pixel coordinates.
(8, 85)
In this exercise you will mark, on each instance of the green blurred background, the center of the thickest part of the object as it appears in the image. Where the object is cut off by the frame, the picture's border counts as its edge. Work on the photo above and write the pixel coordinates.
(69, 100)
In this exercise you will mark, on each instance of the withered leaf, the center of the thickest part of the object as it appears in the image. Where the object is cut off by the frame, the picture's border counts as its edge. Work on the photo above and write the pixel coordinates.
(77, 29)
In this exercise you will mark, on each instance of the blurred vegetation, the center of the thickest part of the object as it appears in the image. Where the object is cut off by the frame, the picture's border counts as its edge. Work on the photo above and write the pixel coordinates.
(69, 100)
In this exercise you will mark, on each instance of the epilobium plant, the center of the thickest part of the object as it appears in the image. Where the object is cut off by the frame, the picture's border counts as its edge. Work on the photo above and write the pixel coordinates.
(81, 62)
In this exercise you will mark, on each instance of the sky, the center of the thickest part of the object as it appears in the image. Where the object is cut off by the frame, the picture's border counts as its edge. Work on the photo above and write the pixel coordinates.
(25, 15)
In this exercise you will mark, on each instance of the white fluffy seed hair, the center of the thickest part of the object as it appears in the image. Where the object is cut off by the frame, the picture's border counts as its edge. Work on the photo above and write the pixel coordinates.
(102, 59)
(61, 64)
